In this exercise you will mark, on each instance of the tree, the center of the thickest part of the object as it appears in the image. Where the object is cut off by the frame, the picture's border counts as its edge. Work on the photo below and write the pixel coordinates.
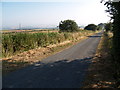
(91, 27)
(108, 26)
(68, 26)
(114, 11)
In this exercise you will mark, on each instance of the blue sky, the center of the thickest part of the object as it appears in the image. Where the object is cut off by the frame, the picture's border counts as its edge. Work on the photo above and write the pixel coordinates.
(49, 14)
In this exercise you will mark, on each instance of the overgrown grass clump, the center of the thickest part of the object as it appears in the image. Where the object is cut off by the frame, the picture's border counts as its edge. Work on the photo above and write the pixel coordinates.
(19, 42)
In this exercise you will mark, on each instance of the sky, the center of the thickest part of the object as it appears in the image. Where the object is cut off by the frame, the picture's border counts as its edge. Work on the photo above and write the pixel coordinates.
(46, 13)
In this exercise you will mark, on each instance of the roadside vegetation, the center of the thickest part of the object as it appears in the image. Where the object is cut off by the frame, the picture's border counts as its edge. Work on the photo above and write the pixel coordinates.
(20, 42)
(114, 11)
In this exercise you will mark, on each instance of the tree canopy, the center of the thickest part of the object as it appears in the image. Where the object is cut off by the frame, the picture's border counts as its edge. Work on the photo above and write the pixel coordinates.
(68, 26)
(91, 27)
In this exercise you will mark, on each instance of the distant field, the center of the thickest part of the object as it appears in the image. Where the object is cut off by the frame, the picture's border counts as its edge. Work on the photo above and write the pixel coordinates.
(30, 31)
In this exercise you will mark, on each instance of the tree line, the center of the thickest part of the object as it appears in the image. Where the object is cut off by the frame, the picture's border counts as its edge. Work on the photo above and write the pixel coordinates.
(71, 26)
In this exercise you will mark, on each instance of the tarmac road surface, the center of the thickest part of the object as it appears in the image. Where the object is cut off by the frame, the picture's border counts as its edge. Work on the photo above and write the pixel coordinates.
(66, 69)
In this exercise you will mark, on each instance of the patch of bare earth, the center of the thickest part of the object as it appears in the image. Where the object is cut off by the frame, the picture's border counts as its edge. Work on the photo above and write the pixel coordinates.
(100, 72)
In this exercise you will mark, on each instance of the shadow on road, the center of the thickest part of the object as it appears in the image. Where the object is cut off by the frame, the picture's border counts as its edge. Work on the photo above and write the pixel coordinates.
(60, 74)
(93, 36)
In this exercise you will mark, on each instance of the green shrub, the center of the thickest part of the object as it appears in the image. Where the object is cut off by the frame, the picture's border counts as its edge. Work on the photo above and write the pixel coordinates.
(14, 43)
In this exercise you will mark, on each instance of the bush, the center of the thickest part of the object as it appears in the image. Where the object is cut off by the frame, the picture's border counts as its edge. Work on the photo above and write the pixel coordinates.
(68, 26)
(108, 26)
(91, 27)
